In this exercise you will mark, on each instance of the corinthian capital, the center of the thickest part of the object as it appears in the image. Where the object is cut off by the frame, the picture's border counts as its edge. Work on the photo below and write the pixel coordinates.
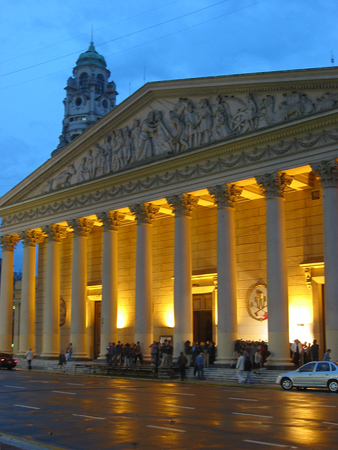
(182, 204)
(9, 242)
(225, 195)
(144, 212)
(111, 220)
(54, 232)
(327, 172)
(31, 237)
(274, 184)
(81, 226)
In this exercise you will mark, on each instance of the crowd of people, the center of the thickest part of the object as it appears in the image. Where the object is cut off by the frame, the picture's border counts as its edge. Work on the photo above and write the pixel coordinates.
(248, 356)
(125, 355)
(301, 353)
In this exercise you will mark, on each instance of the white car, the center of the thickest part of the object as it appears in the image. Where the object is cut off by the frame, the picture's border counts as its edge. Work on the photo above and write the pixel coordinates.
(315, 374)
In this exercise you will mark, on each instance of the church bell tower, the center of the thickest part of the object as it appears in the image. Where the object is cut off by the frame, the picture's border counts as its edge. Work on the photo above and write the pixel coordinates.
(89, 96)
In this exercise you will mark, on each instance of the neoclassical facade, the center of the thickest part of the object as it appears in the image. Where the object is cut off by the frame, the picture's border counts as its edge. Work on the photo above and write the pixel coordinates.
(196, 209)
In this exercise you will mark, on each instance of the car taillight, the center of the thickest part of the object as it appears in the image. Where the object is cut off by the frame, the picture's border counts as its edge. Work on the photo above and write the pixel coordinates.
(15, 361)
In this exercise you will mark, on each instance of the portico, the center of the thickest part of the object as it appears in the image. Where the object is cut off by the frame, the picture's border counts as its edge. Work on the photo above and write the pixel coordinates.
(244, 199)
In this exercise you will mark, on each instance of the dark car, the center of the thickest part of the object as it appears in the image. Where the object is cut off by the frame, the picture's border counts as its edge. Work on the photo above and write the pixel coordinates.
(7, 361)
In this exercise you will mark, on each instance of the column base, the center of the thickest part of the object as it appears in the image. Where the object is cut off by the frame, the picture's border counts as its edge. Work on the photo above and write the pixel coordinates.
(279, 364)
(47, 355)
(79, 356)
(226, 361)
(8, 350)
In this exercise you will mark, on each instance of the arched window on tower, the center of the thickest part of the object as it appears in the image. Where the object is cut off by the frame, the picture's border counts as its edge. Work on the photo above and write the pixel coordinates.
(99, 84)
(83, 82)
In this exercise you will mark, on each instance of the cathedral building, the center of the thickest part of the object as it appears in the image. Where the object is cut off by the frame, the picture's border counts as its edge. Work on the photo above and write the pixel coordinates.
(197, 209)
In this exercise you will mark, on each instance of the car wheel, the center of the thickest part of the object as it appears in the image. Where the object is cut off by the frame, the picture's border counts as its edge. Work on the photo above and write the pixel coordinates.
(286, 384)
(9, 368)
(333, 386)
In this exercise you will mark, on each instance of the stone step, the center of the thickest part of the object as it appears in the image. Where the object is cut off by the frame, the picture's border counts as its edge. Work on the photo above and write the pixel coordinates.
(229, 375)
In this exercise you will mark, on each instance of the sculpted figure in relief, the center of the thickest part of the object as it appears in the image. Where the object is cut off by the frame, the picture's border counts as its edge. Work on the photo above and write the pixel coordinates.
(83, 172)
(205, 123)
(178, 132)
(115, 165)
(191, 124)
(90, 164)
(246, 118)
(107, 151)
(63, 179)
(161, 136)
(118, 150)
(222, 118)
(325, 102)
(144, 149)
(127, 147)
(135, 134)
(291, 106)
(101, 161)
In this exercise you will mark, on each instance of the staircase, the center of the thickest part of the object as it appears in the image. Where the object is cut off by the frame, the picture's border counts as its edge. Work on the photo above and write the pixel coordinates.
(226, 375)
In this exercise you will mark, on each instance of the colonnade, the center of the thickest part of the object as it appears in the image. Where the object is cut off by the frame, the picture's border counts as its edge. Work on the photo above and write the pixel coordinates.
(272, 185)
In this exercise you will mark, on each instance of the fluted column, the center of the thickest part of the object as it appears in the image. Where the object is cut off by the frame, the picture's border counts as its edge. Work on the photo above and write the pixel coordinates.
(51, 318)
(78, 330)
(328, 173)
(8, 243)
(183, 206)
(224, 197)
(109, 305)
(27, 310)
(273, 185)
(144, 213)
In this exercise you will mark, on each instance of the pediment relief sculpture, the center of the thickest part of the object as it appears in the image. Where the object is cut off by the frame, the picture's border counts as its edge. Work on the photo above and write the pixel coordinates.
(184, 125)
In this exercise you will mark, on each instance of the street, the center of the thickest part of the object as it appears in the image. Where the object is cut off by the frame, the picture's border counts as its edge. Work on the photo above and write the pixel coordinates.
(86, 412)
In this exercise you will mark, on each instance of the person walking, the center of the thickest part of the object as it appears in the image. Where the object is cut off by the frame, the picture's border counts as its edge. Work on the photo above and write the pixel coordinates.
(327, 356)
(240, 368)
(182, 362)
(29, 356)
(247, 369)
(62, 361)
(69, 352)
(199, 361)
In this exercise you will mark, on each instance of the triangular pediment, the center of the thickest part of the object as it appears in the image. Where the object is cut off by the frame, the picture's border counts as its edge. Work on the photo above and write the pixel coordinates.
(165, 121)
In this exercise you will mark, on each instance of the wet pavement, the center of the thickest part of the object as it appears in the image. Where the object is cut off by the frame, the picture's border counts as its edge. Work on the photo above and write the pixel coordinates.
(214, 376)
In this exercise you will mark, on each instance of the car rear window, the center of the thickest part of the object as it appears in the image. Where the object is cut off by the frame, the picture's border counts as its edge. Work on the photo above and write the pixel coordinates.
(323, 367)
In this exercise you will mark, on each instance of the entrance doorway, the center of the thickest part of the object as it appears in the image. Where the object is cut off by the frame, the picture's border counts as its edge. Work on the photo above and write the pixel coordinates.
(202, 317)
(97, 329)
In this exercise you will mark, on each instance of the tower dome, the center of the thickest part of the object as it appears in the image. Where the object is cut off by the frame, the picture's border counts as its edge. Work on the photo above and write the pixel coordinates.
(90, 95)
(91, 58)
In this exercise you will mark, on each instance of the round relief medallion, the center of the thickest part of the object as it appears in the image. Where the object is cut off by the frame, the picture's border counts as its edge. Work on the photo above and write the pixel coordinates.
(257, 303)
(63, 312)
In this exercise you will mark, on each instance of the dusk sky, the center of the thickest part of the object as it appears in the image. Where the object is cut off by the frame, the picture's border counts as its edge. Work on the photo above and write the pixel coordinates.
(142, 41)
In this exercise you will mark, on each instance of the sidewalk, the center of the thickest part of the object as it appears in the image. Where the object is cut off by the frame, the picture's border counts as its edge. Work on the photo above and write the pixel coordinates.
(11, 443)
(213, 373)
